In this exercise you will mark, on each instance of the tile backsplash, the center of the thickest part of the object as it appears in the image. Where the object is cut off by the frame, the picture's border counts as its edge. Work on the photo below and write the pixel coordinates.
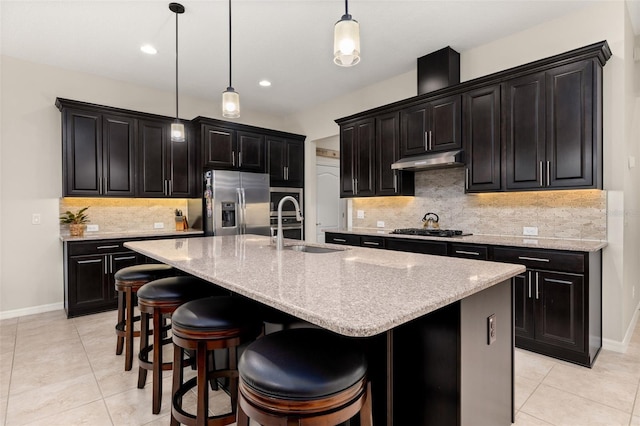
(127, 214)
(576, 214)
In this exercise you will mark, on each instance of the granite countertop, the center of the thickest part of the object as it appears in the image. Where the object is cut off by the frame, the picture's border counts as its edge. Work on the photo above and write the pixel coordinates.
(354, 291)
(92, 236)
(495, 240)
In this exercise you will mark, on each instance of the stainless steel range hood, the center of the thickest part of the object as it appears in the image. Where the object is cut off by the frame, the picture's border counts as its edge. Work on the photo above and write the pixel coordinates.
(437, 160)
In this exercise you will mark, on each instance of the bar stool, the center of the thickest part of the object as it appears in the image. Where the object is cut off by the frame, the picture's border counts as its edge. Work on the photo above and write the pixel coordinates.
(157, 300)
(204, 325)
(303, 376)
(127, 282)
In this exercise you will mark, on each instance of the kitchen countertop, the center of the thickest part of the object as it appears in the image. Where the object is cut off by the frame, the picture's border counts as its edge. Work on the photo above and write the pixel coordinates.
(495, 240)
(92, 236)
(354, 291)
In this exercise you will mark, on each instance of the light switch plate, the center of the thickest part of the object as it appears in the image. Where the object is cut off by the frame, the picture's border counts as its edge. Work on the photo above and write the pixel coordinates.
(36, 219)
(491, 329)
(158, 225)
(529, 230)
(93, 228)
(360, 214)
(380, 224)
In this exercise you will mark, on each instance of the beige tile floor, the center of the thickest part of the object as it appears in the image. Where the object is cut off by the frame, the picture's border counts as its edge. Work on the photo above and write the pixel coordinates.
(79, 380)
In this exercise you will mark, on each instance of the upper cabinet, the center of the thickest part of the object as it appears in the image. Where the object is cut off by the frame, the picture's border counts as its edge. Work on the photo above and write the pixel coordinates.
(229, 149)
(357, 158)
(286, 162)
(389, 181)
(431, 127)
(98, 154)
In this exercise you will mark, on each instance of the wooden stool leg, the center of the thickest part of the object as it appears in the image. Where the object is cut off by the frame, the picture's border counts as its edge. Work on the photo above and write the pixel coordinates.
(233, 381)
(128, 344)
(144, 343)
(366, 412)
(157, 361)
(178, 375)
(202, 412)
(243, 419)
(120, 339)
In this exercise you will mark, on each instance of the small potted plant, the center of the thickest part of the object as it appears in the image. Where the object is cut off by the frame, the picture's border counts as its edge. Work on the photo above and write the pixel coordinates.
(76, 221)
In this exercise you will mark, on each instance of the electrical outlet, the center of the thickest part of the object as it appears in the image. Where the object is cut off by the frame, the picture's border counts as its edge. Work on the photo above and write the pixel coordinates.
(158, 225)
(36, 219)
(491, 329)
(380, 224)
(93, 228)
(529, 230)
(360, 214)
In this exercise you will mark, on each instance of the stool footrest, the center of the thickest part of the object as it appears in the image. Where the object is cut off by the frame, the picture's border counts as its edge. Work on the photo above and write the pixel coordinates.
(189, 419)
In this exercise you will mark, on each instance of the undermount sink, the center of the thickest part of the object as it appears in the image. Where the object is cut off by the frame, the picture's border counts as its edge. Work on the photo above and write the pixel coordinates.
(312, 249)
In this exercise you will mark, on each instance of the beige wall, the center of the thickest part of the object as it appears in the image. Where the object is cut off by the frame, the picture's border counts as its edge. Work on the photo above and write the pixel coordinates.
(31, 276)
(604, 20)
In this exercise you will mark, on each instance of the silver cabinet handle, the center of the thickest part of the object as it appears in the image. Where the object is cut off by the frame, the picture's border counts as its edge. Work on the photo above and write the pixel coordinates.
(548, 172)
(111, 264)
(541, 174)
(370, 243)
(233, 158)
(473, 253)
(240, 159)
(339, 240)
(89, 261)
(537, 276)
(430, 140)
(125, 258)
(107, 247)
(170, 186)
(99, 185)
(355, 184)
(466, 178)
(529, 284)
(535, 259)
(426, 141)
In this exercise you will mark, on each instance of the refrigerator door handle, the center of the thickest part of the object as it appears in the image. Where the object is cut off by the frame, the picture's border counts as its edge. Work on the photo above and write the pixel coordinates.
(239, 212)
(244, 211)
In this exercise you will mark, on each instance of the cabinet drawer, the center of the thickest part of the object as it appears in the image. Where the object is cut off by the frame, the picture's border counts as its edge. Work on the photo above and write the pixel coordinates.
(372, 242)
(96, 247)
(416, 246)
(346, 239)
(469, 251)
(541, 259)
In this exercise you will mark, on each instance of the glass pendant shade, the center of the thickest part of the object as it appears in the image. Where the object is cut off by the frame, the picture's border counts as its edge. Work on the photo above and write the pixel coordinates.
(177, 132)
(346, 42)
(230, 103)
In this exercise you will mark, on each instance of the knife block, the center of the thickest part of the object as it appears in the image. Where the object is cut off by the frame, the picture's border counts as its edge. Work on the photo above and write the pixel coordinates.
(181, 223)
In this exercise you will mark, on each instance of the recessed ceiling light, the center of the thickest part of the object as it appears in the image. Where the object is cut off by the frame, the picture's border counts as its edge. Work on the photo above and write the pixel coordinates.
(148, 49)
(264, 83)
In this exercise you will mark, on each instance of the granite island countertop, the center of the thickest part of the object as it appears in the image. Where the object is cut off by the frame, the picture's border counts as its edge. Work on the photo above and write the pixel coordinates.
(495, 240)
(353, 291)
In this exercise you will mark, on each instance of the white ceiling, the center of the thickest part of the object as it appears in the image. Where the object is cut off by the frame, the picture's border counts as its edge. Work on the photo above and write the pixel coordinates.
(287, 42)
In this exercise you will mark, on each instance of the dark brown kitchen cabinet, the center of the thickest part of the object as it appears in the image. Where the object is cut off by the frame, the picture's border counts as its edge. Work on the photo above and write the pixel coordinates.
(251, 152)
(417, 246)
(357, 158)
(431, 127)
(230, 149)
(482, 137)
(165, 168)
(552, 140)
(338, 238)
(89, 269)
(286, 162)
(98, 154)
(389, 181)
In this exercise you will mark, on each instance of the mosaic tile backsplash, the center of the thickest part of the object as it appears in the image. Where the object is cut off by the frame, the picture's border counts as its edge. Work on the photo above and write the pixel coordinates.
(575, 214)
(126, 214)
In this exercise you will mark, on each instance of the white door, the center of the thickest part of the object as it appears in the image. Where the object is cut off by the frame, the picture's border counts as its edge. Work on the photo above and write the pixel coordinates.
(329, 206)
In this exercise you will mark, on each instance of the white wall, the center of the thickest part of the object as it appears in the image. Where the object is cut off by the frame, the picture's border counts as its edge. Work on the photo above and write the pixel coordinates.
(604, 20)
(31, 276)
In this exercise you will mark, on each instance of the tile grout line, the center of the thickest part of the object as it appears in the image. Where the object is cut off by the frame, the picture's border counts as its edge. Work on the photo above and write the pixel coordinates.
(13, 360)
(534, 391)
(633, 406)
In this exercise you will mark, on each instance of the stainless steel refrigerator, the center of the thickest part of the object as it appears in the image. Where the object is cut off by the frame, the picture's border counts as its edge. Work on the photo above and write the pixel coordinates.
(235, 203)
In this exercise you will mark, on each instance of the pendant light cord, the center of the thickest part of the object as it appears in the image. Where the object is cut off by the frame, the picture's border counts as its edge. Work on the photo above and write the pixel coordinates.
(230, 44)
(177, 66)
(346, 7)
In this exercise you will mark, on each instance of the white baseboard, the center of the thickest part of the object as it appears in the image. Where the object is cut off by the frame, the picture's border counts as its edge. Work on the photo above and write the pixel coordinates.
(30, 311)
(617, 346)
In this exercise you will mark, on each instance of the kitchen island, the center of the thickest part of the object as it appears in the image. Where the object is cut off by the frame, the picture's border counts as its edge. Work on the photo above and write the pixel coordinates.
(424, 319)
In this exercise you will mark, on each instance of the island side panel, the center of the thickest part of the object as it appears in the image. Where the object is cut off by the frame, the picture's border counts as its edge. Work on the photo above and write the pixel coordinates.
(486, 381)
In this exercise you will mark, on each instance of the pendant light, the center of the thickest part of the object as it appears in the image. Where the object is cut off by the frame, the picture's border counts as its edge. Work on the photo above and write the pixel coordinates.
(230, 98)
(177, 127)
(346, 40)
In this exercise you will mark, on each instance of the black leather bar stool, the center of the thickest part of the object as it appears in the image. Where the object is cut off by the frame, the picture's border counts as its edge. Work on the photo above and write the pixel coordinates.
(303, 376)
(204, 325)
(157, 300)
(127, 283)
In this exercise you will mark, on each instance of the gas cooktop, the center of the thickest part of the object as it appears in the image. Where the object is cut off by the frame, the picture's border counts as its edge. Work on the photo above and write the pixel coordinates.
(429, 232)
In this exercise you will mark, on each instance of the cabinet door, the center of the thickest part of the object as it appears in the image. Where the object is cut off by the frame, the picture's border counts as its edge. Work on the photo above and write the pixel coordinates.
(444, 124)
(87, 285)
(219, 147)
(118, 149)
(524, 115)
(152, 158)
(182, 167)
(82, 145)
(387, 153)
(348, 148)
(523, 305)
(414, 125)
(570, 146)
(365, 158)
(481, 121)
(295, 164)
(118, 261)
(417, 246)
(277, 152)
(251, 152)
(559, 309)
